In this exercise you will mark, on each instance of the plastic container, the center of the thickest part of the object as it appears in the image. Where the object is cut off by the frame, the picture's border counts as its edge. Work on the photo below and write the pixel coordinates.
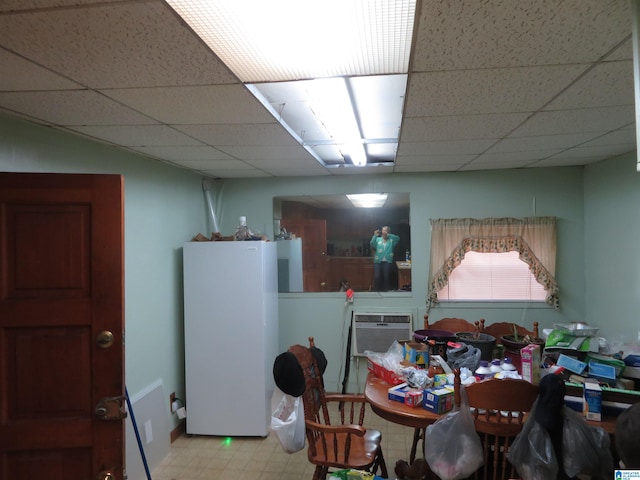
(507, 365)
(483, 371)
(495, 366)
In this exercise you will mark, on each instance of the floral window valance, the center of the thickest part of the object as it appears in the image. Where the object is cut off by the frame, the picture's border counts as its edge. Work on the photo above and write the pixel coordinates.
(533, 238)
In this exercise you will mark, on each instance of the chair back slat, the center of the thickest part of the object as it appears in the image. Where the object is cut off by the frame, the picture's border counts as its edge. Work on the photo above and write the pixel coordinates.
(499, 408)
(341, 445)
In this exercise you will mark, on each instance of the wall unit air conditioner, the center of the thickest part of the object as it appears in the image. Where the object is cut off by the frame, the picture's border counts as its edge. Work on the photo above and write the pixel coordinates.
(376, 332)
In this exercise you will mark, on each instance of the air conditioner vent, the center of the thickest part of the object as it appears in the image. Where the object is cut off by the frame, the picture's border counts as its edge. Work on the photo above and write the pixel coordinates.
(376, 332)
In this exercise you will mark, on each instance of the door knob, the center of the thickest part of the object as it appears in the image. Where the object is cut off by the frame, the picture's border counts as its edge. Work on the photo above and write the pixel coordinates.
(105, 339)
(105, 475)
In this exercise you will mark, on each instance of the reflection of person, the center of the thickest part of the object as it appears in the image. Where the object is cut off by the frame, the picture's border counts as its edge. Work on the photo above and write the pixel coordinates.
(383, 244)
(627, 438)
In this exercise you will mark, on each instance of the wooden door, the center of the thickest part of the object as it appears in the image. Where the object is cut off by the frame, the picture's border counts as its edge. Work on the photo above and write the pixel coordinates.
(61, 270)
(315, 264)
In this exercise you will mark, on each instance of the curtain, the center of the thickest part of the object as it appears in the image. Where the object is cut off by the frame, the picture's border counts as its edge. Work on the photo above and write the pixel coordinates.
(533, 238)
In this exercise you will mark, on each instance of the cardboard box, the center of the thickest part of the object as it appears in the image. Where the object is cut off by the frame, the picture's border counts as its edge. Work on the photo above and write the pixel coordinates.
(387, 375)
(407, 395)
(416, 353)
(592, 407)
(438, 400)
(530, 359)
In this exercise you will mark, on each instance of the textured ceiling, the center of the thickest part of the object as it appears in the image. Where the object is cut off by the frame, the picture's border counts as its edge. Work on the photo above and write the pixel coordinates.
(492, 84)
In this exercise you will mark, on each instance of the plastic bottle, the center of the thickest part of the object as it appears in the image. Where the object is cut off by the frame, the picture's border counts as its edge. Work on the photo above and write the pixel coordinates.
(483, 371)
(407, 256)
(495, 366)
(507, 365)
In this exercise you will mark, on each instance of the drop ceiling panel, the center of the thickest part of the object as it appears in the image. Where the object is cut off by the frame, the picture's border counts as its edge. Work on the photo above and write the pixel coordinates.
(588, 90)
(72, 107)
(416, 129)
(485, 72)
(213, 164)
(26, 75)
(445, 148)
(601, 119)
(195, 105)
(487, 91)
(468, 34)
(298, 154)
(519, 144)
(253, 134)
(298, 172)
(185, 154)
(432, 159)
(127, 44)
(135, 136)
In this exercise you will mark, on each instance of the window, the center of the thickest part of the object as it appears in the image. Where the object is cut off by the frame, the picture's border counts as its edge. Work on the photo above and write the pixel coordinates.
(531, 240)
(494, 276)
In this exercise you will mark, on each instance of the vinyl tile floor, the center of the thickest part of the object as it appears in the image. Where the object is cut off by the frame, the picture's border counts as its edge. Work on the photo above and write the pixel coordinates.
(197, 457)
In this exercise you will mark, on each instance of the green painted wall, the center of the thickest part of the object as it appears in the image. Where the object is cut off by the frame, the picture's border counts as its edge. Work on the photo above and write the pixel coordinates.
(165, 207)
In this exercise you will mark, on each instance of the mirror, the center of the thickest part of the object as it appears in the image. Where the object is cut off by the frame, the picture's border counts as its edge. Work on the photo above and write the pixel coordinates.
(333, 239)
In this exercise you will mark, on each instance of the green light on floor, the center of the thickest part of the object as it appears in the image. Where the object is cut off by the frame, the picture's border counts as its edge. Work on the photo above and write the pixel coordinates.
(227, 441)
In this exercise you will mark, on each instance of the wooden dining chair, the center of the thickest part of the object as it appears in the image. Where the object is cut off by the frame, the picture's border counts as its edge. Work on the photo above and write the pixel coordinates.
(499, 407)
(336, 443)
(454, 325)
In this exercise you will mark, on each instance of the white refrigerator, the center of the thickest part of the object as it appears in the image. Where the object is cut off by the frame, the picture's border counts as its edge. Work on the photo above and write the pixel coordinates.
(231, 336)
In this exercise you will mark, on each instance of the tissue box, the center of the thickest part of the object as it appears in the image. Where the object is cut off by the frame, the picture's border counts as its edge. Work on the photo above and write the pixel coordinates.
(592, 408)
(530, 359)
(572, 364)
(407, 395)
(438, 400)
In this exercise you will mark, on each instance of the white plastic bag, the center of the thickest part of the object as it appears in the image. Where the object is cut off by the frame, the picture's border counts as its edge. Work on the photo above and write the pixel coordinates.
(287, 422)
(452, 448)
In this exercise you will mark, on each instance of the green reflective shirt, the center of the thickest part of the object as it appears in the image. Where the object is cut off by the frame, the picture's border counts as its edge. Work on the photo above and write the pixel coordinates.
(383, 251)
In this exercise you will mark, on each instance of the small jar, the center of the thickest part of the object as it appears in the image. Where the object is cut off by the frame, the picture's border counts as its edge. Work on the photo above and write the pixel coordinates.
(507, 365)
(495, 366)
(483, 371)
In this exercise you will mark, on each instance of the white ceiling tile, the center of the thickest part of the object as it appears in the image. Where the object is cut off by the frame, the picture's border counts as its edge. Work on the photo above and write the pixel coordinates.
(542, 142)
(467, 34)
(600, 119)
(212, 164)
(421, 129)
(417, 160)
(487, 91)
(72, 107)
(253, 134)
(268, 153)
(623, 136)
(588, 91)
(298, 172)
(26, 75)
(445, 148)
(520, 158)
(427, 168)
(126, 44)
(239, 173)
(138, 135)
(19, 5)
(185, 154)
(195, 105)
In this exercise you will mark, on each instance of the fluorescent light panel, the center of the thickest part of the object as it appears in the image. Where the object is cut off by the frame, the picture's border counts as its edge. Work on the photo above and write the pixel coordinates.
(367, 200)
(282, 40)
(364, 43)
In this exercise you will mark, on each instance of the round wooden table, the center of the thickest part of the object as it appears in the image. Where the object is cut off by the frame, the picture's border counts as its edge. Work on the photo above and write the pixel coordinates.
(376, 391)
